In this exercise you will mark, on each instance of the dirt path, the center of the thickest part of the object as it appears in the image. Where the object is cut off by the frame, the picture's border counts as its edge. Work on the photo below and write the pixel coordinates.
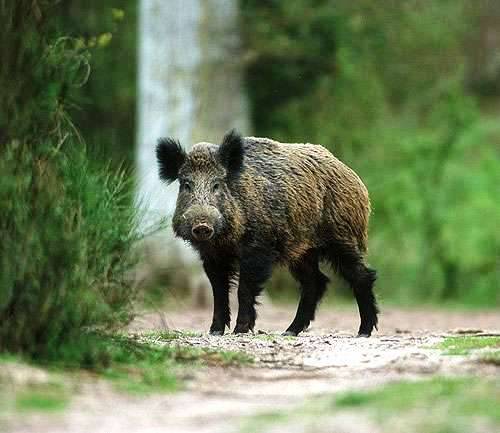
(287, 371)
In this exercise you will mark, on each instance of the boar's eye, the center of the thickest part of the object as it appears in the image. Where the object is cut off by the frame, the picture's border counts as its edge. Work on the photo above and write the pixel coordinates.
(186, 186)
(216, 187)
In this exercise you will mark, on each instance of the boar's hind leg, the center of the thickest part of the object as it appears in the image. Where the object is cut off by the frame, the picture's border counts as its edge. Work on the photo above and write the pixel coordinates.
(219, 273)
(312, 287)
(255, 269)
(351, 266)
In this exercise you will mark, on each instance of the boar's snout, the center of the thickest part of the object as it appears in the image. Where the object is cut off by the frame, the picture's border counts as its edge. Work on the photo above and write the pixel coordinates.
(200, 223)
(202, 232)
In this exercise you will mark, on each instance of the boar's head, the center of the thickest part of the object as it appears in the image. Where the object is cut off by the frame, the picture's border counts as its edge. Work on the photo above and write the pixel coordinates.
(206, 208)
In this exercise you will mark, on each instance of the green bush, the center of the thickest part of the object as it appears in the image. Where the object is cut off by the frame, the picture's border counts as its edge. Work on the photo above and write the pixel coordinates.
(67, 228)
(67, 232)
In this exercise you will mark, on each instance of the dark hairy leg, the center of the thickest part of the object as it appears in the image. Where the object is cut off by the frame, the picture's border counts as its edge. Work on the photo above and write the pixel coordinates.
(365, 298)
(219, 273)
(351, 266)
(312, 287)
(255, 269)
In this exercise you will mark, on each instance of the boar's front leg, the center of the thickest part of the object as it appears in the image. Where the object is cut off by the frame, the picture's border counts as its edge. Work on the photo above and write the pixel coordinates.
(219, 272)
(255, 269)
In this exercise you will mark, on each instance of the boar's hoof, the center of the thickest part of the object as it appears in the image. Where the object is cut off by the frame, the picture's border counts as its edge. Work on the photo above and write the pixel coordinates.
(290, 334)
(241, 329)
(363, 334)
(216, 332)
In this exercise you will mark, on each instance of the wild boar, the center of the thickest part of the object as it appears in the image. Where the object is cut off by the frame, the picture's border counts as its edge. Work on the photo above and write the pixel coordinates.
(251, 203)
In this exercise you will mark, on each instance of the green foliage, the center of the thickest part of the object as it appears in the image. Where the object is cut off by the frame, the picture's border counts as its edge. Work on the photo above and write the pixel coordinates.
(384, 89)
(67, 233)
(104, 109)
(67, 228)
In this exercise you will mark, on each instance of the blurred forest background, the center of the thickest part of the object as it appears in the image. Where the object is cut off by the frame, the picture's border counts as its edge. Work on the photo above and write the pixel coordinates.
(407, 94)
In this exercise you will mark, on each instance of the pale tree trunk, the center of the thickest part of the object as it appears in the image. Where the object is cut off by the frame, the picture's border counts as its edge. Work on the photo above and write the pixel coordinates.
(190, 88)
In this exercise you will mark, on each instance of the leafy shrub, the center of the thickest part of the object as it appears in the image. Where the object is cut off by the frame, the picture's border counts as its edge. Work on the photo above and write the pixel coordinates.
(66, 227)
(67, 232)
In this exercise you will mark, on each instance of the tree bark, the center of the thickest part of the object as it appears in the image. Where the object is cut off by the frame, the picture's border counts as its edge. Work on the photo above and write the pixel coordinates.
(191, 88)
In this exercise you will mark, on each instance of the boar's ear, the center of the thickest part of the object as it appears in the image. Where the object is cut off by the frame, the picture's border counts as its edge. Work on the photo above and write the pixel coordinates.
(170, 156)
(231, 152)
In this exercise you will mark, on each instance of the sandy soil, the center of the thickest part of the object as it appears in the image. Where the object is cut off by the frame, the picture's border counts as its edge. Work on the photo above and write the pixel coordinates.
(324, 360)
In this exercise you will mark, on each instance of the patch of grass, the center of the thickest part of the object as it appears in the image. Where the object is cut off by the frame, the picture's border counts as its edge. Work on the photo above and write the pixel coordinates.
(138, 367)
(141, 367)
(258, 423)
(462, 396)
(26, 389)
(227, 357)
(463, 345)
(46, 398)
(438, 405)
(273, 337)
(169, 335)
(210, 356)
(435, 405)
(134, 365)
(144, 377)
